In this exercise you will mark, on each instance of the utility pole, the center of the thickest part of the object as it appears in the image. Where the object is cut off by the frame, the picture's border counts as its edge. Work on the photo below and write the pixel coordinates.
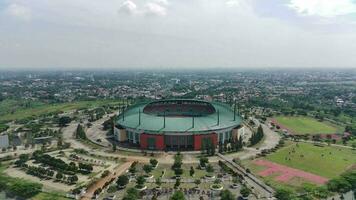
(139, 117)
(164, 120)
(235, 111)
(218, 117)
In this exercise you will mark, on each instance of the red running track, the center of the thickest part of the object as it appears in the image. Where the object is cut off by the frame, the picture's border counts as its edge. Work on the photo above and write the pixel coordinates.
(287, 173)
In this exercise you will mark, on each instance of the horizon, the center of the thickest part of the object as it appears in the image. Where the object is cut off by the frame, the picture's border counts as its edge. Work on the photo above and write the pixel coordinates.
(172, 34)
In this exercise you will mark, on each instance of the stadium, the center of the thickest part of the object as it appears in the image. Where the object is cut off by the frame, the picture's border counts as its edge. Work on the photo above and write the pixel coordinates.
(177, 125)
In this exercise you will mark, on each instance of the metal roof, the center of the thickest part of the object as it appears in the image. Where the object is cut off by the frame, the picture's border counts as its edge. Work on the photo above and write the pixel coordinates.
(173, 124)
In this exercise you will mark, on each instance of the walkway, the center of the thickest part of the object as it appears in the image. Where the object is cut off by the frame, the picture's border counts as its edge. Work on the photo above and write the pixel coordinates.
(100, 183)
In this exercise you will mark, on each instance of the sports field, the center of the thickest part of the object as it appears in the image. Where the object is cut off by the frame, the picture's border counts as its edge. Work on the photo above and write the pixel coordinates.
(306, 125)
(324, 161)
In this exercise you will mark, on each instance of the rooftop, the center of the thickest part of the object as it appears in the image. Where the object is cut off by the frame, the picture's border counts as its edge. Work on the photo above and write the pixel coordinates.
(221, 118)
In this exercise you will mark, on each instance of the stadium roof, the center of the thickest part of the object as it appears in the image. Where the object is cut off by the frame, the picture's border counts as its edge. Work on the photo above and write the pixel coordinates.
(155, 124)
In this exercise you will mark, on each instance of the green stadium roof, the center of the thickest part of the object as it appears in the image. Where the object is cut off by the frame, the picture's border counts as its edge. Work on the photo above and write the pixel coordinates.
(155, 124)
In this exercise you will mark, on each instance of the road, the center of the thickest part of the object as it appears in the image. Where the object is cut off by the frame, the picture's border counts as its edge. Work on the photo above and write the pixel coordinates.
(262, 190)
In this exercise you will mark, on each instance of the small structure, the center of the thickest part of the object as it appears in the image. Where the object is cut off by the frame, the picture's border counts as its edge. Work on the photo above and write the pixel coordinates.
(4, 141)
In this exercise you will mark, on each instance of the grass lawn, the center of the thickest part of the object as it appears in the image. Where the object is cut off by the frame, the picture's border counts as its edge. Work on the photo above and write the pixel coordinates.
(307, 125)
(52, 108)
(334, 162)
(49, 196)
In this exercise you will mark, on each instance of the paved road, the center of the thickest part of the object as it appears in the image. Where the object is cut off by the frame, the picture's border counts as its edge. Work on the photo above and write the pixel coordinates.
(263, 191)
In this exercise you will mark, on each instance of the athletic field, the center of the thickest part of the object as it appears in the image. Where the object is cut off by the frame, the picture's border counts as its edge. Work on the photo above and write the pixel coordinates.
(306, 125)
(324, 161)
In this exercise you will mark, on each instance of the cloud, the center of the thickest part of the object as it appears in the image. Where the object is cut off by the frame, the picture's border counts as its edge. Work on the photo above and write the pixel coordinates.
(232, 3)
(151, 8)
(128, 7)
(161, 2)
(19, 11)
(323, 8)
(155, 9)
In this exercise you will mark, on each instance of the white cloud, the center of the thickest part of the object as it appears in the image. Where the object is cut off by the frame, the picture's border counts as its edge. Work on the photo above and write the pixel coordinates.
(155, 9)
(19, 11)
(161, 2)
(232, 3)
(323, 8)
(128, 7)
(152, 8)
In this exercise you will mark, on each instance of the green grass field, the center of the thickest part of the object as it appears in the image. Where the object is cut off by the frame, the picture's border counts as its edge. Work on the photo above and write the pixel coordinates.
(334, 162)
(307, 125)
(41, 109)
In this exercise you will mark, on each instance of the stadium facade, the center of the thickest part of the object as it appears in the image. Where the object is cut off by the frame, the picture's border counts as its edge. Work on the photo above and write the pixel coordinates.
(177, 124)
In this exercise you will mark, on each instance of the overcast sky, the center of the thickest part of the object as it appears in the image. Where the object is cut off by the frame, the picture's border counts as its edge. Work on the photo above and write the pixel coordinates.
(120, 34)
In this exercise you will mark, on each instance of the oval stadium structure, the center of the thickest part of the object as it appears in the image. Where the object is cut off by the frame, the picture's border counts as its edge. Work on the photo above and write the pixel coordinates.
(177, 125)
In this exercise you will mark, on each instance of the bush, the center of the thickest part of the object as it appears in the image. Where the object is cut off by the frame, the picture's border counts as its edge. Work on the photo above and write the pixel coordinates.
(24, 189)
(178, 195)
(284, 194)
(122, 180)
(153, 162)
(227, 195)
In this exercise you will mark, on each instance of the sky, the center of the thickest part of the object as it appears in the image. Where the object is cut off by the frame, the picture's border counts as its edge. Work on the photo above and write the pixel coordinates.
(177, 34)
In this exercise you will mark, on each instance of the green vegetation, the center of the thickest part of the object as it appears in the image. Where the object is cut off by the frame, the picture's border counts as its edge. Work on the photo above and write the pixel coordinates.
(344, 183)
(257, 137)
(50, 196)
(80, 133)
(314, 159)
(227, 195)
(3, 127)
(38, 109)
(178, 195)
(307, 125)
(131, 194)
(17, 186)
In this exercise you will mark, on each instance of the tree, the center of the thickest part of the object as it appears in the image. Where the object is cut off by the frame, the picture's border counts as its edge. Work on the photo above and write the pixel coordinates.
(227, 195)
(59, 176)
(158, 182)
(191, 171)
(73, 179)
(256, 137)
(245, 191)
(340, 185)
(105, 173)
(147, 168)
(197, 182)
(209, 168)
(87, 168)
(178, 171)
(140, 181)
(178, 195)
(64, 121)
(203, 161)
(284, 194)
(122, 180)
(80, 133)
(132, 168)
(114, 148)
(131, 194)
(25, 189)
(177, 184)
(153, 162)
(60, 142)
